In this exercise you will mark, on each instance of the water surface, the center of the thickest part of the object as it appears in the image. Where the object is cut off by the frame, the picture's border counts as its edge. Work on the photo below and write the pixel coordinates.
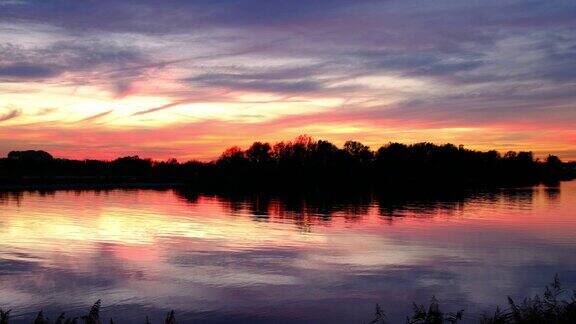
(260, 259)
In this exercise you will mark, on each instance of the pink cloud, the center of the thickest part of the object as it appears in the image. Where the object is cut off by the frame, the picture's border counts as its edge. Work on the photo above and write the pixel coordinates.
(207, 139)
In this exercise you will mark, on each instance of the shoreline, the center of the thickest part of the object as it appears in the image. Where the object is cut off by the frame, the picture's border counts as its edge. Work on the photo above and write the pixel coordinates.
(91, 186)
(406, 187)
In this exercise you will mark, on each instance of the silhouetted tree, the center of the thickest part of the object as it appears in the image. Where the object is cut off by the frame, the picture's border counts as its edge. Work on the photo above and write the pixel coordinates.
(301, 163)
(233, 155)
(359, 151)
(30, 156)
(259, 153)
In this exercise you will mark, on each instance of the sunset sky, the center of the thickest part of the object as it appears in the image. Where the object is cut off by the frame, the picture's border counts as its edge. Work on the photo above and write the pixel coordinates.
(186, 79)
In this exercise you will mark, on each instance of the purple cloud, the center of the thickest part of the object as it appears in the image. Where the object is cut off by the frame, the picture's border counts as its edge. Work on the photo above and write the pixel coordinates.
(27, 71)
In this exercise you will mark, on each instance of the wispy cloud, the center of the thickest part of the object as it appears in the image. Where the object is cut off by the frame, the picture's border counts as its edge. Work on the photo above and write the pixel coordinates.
(14, 113)
(94, 117)
(159, 108)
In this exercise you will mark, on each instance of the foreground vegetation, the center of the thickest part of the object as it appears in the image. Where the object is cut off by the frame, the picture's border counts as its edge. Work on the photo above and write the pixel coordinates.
(303, 162)
(552, 308)
(93, 317)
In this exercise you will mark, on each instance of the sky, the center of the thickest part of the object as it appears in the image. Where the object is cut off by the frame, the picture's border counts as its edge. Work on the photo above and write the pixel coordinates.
(189, 78)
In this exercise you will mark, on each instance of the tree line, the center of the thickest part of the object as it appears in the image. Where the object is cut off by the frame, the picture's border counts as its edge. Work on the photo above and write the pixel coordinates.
(303, 162)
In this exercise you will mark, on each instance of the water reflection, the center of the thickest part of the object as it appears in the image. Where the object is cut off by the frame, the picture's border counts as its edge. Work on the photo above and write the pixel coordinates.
(284, 259)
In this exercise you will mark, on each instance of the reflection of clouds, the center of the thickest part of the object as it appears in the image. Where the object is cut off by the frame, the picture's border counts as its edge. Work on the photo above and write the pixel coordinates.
(152, 251)
(125, 226)
(360, 252)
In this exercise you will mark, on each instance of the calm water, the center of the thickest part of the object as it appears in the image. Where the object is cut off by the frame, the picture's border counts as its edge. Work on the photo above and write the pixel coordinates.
(258, 259)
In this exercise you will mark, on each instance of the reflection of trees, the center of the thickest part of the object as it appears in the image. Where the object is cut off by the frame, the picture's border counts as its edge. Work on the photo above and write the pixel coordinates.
(7, 196)
(552, 193)
(18, 195)
(306, 210)
(321, 208)
(518, 197)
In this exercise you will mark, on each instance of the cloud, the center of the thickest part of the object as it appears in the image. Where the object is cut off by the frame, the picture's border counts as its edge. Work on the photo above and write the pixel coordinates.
(46, 111)
(86, 61)
(28, 71)
(10, 115)
(159, 108)
(168, 16)
(311, 79)
(254, 83)
(95, 117)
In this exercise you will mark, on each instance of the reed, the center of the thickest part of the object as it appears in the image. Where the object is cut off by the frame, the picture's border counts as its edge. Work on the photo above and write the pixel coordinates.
(93, 317)
(554, 307)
